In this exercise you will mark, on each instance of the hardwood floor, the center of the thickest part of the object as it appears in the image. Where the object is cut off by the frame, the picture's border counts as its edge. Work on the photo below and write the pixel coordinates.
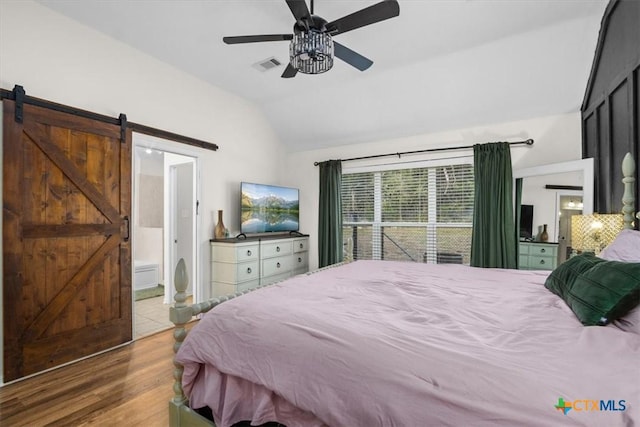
(130, 386)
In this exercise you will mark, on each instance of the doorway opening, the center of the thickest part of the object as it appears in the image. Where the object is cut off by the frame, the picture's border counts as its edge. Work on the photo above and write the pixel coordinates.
(568, 203)
(164, 229)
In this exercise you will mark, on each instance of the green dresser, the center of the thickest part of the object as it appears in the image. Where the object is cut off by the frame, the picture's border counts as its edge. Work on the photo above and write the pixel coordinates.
(538, 256)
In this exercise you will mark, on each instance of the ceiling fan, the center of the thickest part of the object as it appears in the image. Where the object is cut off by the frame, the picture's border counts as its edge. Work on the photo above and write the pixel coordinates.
(312, 47)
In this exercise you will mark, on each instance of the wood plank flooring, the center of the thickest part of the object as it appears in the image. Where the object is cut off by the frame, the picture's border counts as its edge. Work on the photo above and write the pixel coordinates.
(130, 386)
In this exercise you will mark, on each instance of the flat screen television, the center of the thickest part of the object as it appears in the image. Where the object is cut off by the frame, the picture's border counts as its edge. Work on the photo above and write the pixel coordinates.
(526, 222)
(269, 208)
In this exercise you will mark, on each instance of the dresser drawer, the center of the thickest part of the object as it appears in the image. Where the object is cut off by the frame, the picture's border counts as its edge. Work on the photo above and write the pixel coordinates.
(301, 245)
(234, 253)
(235, 273)
(220, 289)
(275, 249)
(273, 279)
(279, 265)
(248, 253)
(248, 285)
(541, 262)
(301, 262)
(543, 250)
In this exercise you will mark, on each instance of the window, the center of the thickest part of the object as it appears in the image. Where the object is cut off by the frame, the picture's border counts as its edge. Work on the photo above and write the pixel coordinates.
(421, 214)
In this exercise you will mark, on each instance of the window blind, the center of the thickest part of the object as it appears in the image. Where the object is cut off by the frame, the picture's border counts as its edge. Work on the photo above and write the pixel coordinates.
(421, 214)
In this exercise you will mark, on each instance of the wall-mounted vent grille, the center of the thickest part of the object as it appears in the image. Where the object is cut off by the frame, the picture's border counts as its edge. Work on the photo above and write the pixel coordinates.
(267, 64)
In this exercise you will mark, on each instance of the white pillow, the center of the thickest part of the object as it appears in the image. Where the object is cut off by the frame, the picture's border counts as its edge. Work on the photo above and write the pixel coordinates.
(629, 322)
(625, 247)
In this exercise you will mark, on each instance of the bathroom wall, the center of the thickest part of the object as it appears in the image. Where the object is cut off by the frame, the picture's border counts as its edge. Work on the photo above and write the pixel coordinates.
(148, 211)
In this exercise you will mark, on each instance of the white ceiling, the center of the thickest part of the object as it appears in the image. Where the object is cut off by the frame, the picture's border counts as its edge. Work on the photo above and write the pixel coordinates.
(442, 64)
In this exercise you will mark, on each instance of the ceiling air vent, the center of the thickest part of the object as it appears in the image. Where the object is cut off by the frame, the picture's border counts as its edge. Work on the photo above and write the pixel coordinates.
(267, 64)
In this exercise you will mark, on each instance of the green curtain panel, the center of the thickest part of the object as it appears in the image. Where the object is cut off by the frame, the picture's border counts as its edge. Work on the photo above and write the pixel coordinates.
(330, 213)
(492, 241)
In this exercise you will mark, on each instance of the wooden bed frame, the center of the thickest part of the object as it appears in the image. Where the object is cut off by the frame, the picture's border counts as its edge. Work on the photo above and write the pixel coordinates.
(180, 414)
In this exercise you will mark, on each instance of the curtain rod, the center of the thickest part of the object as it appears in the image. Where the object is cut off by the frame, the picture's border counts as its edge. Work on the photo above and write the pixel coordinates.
(461, 147)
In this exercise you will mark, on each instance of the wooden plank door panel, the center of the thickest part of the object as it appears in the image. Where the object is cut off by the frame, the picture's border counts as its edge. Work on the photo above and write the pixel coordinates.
(67, 258)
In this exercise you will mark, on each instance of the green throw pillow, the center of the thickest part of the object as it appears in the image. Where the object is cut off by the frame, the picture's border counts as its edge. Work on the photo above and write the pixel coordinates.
(596, 290)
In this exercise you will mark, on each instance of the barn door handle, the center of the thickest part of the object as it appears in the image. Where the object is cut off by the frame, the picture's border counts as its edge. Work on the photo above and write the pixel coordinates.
(126, 221)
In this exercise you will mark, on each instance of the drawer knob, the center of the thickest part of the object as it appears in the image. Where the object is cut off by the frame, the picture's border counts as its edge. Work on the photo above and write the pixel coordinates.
(299, 259)
(277, 248)
(541, 261)
(301, 246)
(278, 265)
(248, 252)
(248, 270)
(542, 250)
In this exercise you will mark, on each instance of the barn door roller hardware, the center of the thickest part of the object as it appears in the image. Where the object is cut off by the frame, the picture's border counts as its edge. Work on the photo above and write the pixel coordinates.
(123, 127)
(18, 95)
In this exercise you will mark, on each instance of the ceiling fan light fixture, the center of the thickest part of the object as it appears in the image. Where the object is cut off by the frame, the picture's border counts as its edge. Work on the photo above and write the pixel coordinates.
(311, 48)
(311, 52)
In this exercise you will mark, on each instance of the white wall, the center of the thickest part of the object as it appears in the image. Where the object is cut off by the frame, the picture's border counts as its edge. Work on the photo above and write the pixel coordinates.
(557, 139)
(58, 59)
(148, 244)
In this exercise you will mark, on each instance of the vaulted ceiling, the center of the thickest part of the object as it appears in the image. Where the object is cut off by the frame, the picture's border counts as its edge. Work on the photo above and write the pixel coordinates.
(441, 64)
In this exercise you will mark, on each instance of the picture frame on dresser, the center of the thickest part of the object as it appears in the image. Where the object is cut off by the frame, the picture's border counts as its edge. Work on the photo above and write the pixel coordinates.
(239, 265)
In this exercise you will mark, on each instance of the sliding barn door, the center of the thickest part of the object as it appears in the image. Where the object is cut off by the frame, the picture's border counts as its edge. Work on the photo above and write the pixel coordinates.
(66, 254)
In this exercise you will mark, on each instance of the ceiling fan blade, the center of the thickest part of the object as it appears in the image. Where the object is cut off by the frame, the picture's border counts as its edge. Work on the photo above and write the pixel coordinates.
(289, 72)
(369, 15)
(255, 39)
(350, 57)
(300, 10)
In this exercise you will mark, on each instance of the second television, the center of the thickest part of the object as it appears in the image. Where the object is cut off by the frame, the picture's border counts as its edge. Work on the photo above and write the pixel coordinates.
(268, 208)
(526, 222)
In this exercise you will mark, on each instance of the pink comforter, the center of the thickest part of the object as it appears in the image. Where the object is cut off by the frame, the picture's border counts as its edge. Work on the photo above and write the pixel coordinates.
(382, 343)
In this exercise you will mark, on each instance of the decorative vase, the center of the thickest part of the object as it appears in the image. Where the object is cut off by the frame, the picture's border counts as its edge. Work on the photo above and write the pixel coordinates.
(220, 231)
(544, 236)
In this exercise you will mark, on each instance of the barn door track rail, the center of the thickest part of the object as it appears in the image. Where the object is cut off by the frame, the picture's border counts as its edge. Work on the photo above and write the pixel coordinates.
(19, 96)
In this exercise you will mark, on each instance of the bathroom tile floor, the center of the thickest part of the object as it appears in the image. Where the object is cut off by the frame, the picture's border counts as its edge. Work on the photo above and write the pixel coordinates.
(152, 316)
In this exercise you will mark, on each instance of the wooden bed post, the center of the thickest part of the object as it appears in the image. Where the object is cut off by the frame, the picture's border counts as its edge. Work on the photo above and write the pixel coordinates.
(628, 170)
(179, 314)
(349, 250)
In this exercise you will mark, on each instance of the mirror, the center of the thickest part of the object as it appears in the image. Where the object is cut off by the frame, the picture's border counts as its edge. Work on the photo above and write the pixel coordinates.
(553, 191)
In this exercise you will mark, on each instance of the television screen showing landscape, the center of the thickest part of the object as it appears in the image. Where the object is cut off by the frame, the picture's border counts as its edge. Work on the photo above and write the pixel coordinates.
(267, 208)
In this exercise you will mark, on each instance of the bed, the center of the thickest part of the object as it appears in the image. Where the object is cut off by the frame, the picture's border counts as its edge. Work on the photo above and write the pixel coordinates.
(382, 343)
